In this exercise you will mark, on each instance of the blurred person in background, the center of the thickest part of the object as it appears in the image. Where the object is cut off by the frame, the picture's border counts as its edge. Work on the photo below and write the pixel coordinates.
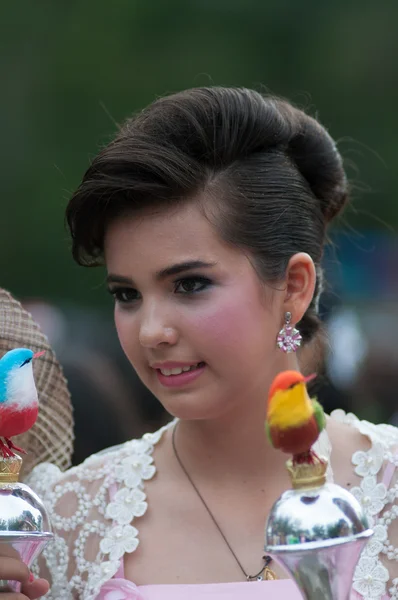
(373, 383)
(375, 387)
(210, 211)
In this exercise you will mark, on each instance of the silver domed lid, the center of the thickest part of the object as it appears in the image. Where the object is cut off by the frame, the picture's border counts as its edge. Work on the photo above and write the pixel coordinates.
(310, 515)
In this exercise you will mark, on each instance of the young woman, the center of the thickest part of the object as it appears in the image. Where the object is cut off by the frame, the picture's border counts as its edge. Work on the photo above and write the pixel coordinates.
(210, 211)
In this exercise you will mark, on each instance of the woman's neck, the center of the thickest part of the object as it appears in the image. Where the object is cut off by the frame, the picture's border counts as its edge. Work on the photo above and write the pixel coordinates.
(234, 446)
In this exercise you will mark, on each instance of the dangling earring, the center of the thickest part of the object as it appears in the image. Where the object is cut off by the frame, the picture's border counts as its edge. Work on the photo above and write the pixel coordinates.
(289, 338)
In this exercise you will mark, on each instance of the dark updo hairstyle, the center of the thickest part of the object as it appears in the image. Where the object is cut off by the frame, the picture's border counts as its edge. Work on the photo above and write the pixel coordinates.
(272, 177)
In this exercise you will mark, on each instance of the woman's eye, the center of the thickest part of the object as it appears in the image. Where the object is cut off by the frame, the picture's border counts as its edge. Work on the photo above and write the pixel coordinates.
(191, 285)
(125, 296)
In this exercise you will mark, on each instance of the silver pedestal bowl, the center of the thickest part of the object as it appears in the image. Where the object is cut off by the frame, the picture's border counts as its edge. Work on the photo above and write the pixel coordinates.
(24, 524)
(316, 532)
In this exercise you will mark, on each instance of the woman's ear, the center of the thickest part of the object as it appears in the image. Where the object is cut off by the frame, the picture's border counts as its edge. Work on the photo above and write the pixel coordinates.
(300, 285)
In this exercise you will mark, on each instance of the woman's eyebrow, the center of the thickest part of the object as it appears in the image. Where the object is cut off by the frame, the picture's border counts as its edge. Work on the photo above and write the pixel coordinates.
(118, 279)
(166, 272)
(182, 267)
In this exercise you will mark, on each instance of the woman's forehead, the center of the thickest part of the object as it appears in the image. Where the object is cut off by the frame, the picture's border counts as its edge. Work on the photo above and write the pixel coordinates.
(156, 241)
(184, 229)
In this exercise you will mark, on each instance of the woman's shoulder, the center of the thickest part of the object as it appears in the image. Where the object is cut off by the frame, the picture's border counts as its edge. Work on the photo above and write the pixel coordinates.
(383, 433)
(364, 445)
(364, 457)
(91, 508)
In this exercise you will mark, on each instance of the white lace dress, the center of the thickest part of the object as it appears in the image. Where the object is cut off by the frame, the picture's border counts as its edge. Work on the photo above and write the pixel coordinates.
(95, 510)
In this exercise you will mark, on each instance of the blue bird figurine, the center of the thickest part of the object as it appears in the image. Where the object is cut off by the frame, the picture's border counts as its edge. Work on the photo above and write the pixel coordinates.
(19, 404)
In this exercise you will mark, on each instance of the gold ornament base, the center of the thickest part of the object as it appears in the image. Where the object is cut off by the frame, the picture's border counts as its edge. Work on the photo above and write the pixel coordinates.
(307, 475)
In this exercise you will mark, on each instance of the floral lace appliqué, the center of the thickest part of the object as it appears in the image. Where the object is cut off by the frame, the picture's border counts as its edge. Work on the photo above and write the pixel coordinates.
(127, 504)
(369, 463)
(119, 541)
(372, 496)
(370, 578)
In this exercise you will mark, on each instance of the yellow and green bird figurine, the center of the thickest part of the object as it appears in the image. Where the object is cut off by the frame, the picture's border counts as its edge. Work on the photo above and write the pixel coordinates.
(294, 420)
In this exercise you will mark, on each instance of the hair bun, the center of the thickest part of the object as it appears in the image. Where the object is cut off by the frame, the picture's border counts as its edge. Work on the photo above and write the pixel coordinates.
(315, 154)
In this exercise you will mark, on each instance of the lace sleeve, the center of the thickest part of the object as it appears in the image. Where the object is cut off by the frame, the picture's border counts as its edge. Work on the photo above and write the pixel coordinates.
(386, 526)
(91, 508)
(376, 576)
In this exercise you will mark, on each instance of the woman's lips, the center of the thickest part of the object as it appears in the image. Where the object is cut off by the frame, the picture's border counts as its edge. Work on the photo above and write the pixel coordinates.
(181, 379)
(174, 364)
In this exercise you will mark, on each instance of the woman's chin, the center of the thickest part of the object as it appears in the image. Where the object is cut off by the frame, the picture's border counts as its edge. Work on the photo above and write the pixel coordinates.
(189, 409)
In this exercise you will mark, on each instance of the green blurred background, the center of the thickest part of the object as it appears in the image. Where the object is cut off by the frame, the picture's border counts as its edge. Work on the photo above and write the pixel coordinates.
(71, 71)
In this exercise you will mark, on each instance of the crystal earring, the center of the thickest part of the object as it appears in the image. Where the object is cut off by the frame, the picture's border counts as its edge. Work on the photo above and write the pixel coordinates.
(289, 338)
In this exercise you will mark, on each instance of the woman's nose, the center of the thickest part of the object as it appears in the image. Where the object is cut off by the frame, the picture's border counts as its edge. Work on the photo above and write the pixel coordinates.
(156, 329)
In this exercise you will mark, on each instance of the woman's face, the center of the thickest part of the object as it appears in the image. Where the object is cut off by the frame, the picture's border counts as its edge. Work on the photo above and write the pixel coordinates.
(184, 299)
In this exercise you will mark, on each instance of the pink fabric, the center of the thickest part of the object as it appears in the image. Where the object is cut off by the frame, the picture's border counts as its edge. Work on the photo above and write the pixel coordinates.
(120, 589)
(254, 590)
(388, 473)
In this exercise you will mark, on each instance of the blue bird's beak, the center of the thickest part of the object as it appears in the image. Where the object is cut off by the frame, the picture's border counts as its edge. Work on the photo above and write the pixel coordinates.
(37, 354)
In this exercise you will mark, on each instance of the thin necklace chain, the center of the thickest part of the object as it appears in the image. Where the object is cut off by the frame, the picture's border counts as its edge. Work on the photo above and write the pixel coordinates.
(267, 559)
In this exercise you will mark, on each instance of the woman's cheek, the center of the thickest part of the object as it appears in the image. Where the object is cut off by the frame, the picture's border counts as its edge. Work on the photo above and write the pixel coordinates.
(124, 324)
(225, 323)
